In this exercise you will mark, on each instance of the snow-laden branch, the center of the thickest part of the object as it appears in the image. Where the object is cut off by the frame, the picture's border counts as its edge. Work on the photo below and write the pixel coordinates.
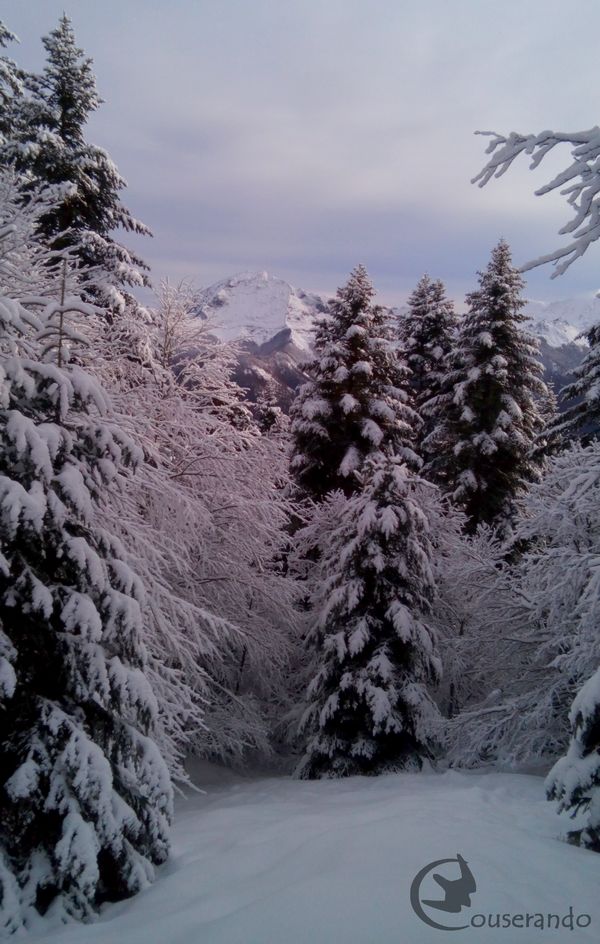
(579, 182)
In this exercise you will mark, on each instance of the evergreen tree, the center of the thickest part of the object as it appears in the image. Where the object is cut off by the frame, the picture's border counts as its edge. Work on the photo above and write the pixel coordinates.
(86, 799)
(369, 710)
(427, 333)
(575, 779)
(490, 407)
(581, 419)
(11, 84)
(47, 141)
(355, 404)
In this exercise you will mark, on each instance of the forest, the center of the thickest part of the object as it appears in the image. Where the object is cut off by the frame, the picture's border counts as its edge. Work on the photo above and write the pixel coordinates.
(399, 574)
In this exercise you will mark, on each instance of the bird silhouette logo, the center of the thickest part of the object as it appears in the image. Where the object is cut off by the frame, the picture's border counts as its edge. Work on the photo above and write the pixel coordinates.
(457, 892)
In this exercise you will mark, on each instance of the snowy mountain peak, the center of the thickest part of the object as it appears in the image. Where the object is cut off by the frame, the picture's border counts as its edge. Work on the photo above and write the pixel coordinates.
(562, 322)
(257, 307)
(557, 333)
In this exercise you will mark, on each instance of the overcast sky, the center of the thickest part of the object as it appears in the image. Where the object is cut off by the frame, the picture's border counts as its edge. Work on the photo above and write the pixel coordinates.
(305, 136)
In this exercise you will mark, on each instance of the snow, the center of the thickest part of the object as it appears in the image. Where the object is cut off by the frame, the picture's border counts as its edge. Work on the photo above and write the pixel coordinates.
(256, 306)
(351, 461)
(587, 701)
(562, 322)
(8, 679)
(271, 860)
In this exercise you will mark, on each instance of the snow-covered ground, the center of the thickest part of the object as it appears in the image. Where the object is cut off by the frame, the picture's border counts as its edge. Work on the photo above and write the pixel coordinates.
(277, 861)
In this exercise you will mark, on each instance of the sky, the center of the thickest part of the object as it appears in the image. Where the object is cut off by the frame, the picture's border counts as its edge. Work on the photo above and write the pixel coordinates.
(302, 137)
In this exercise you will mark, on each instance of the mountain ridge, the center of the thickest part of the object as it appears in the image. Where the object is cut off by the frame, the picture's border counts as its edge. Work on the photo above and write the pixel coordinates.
(274, 323)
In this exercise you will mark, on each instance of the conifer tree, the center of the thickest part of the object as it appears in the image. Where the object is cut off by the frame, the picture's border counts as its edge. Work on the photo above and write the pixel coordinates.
(369, 710)
(575, 779)
(490, 408)
(86, 799)
(11, 83)
(581, 418)
(355, 404)
(47, 141)
(427, 333)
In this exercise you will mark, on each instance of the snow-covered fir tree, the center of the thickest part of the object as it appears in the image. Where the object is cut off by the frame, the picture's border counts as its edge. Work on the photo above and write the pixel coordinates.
(47, 141)
(86, 799)
(355, 404)
(369, 709)
(427, 334)
(9, 76)
(491, 407)
(581, 398)
(575, 779)
(11, 84)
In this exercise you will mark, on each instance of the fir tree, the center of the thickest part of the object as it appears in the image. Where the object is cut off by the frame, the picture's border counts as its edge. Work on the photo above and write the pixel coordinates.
(427, 333)
(581, 418)
(490, 407)
(47, 141)
(575, 779)
(11, 84)
(369, 710)
(355, 404)
(86, 799)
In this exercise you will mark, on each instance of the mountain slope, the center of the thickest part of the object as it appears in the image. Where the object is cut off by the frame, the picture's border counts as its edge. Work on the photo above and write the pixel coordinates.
(261, 309)
(274, 325)
(561, 322)
(558, 326)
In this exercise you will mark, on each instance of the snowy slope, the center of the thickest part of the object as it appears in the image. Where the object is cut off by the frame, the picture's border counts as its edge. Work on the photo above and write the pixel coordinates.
(275, 324)
(561, 323)
(258, 307)
(278, 861)
(559, 326)
(579, 313)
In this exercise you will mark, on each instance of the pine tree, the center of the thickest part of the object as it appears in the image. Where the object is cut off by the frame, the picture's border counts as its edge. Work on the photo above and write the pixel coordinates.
(427, 333)
(355, 404)
(47, 141)
(490, 408)
(86, 799)
(575, 779)
(369, 710)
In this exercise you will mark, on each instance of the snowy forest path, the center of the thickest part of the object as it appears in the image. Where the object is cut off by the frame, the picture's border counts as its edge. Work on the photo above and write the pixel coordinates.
(272, 860)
